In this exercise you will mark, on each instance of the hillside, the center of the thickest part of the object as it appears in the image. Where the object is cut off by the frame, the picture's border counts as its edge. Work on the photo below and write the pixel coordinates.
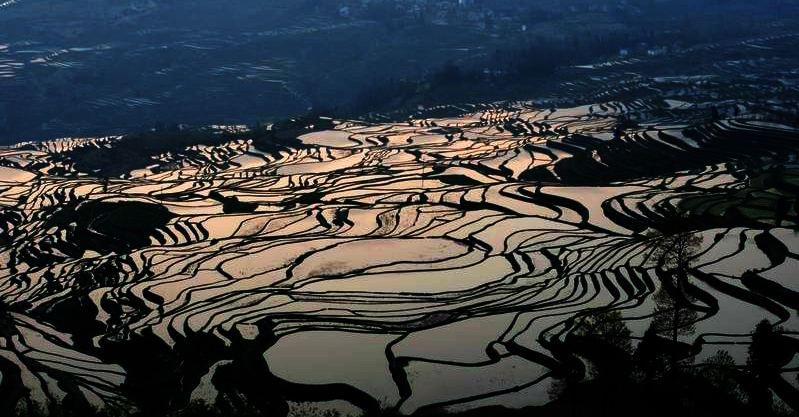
(445, 261)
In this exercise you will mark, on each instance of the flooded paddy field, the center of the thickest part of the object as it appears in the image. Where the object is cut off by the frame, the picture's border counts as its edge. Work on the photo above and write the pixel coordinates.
(638, 226)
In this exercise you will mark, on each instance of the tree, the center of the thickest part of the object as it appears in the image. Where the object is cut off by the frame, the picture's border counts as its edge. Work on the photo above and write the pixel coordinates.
(598, 332)
(608, 326)
(762, 358)
(768, 353)
(672, 313)
(674, 252)
(763, 354)
(721, 373)
(673, 256)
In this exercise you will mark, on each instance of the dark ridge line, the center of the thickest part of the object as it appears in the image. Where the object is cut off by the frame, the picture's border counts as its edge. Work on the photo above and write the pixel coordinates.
(743, 295)
(770, 289)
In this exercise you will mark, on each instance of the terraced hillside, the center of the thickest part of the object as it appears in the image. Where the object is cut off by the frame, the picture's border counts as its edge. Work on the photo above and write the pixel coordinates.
(436, 263)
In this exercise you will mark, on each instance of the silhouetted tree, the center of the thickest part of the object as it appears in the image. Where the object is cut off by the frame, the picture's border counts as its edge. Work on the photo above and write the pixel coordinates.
(767, 354)
(608, 326)
(597, 332)
(763, 354)
(674, 252)
(721, 373)
(673, 255)
(672, 314)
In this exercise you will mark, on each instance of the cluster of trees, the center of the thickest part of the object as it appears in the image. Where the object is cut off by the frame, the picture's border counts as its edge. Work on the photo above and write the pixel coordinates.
(658, 375)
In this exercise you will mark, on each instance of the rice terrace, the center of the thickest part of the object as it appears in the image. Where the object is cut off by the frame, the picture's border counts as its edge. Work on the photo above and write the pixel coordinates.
(627, 245)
